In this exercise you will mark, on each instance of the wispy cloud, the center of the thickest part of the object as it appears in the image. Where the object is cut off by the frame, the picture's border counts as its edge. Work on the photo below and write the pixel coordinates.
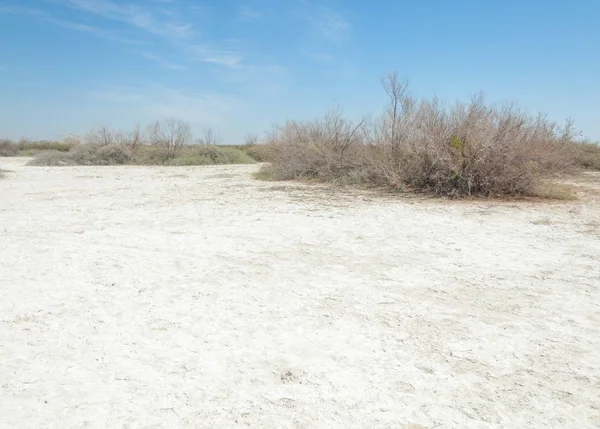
(94, 31)
(329, 23)
(142, 18)
(225, 58)
(248, 14)
(161, 61)
(163, 23)
(171, 22)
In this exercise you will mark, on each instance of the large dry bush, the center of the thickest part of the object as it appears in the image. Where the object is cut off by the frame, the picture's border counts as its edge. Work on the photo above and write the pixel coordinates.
(467, 149)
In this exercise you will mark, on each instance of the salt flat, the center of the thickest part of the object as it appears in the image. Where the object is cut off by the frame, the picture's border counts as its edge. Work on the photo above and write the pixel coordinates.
(135, 297)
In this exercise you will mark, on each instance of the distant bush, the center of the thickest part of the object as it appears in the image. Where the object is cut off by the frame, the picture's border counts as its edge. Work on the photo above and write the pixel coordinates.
(469, 149)
(258, 152)
(30, 148)
(152, 155)
(210, 155)
(8, 148)
(44, 145)
(143, 155)
(52, 159)
(85, 155)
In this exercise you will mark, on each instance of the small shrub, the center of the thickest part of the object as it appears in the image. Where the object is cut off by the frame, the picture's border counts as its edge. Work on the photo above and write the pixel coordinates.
(172, 134)
(327, 149)
(102, 136)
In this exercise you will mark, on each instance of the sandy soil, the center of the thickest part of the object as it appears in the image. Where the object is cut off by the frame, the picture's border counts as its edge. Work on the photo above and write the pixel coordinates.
(138, 297)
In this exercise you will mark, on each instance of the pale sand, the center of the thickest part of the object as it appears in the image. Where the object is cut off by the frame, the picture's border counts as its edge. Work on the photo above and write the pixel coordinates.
(136, 297)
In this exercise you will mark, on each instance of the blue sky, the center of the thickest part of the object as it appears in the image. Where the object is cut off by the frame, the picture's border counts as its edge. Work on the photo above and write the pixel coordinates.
(240, 66)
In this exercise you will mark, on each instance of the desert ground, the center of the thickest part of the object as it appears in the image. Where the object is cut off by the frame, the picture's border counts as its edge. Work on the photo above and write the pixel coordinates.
(157, 297)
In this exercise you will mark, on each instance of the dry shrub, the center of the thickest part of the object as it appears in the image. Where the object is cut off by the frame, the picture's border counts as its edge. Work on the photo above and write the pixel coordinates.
(103, 136)
(170, 133)
(468, 149)
(210, 137)
(326, 149)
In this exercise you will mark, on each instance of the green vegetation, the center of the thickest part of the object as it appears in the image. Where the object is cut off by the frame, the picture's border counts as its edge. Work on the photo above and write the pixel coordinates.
(167, 142)
(142, 155)
(30, 148)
